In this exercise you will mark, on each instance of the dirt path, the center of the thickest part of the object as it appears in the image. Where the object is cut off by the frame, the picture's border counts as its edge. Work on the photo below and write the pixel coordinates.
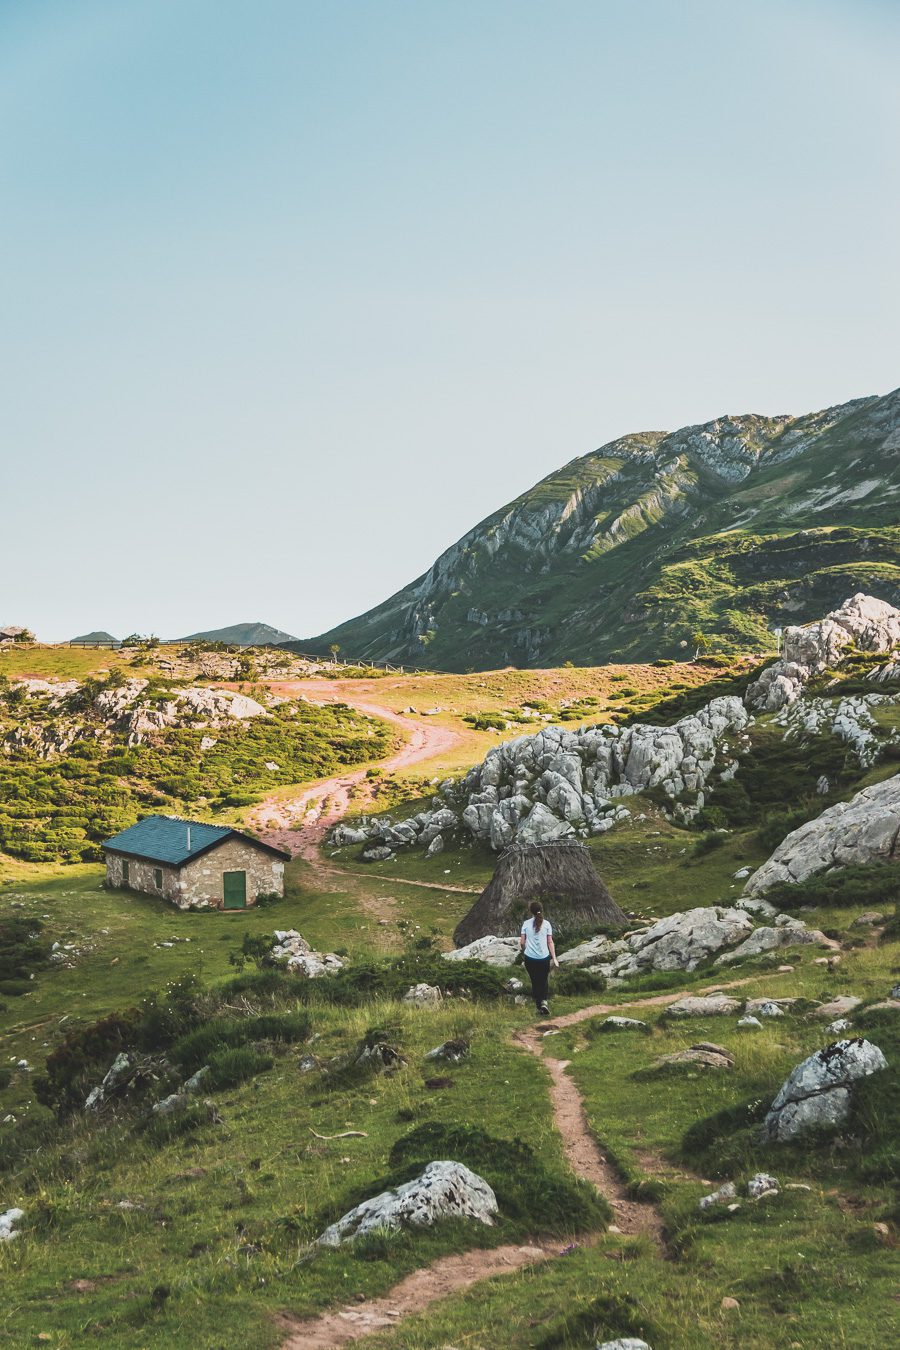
(451, 1274)
(300, 823)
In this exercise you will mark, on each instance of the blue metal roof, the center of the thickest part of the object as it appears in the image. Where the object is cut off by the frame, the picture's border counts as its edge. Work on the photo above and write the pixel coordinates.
(165, 839)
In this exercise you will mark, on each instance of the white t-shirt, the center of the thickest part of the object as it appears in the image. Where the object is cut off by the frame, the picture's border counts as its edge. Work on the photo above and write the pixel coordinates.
(536, 942)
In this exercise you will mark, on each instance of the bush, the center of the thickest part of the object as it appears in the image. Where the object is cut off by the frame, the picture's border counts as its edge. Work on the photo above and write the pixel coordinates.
(83, 1058)
(869, 887)
(5, 1078)
(515, 1173)
(199, 1046)
(230, 1067)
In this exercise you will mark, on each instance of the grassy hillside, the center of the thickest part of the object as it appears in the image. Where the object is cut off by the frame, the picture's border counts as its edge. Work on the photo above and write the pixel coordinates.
(730, 529)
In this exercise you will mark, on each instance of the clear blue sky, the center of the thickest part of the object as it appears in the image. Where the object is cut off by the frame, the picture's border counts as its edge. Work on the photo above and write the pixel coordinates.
(295, 291)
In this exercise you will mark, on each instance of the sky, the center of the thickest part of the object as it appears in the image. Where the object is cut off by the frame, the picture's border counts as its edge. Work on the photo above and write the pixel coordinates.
(294, 292)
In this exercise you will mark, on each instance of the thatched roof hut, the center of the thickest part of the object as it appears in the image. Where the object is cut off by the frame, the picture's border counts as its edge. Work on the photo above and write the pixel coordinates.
(560, 875)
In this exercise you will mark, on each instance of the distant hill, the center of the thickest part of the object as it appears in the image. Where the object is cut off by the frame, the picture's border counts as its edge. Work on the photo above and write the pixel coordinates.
(99, 636)
(728, 529)
(242, 635)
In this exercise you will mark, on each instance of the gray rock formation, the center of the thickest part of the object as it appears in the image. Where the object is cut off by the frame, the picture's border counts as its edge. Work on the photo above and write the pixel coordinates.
(703, 1005)
(867, 623)
(493, 951)
(294, 952)
(864, 830)
(423, 996)
(445, 1190)
(816, 1095)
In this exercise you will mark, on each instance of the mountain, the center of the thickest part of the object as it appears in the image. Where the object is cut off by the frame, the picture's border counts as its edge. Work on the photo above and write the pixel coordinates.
(729, 528)
(100, 637)
(242, 635)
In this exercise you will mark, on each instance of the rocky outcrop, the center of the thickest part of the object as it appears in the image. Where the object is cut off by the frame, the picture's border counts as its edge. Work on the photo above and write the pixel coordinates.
(817, 1094)
(700, 1005)
(493, 951)
(862, 622)
(445, 1190)
(864, 830)
(848, 719)
(681, 941)
(295, 954)
(557, 783)
(786, 933)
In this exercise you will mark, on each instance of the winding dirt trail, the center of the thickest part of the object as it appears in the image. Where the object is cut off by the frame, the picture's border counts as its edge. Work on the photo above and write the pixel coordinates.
(300, 823)
(451, 1274)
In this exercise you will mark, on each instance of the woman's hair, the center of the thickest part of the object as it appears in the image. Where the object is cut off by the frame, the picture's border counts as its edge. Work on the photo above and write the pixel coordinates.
(537, 914)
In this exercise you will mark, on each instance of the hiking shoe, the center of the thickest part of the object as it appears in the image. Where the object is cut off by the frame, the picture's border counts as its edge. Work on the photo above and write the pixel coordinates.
(544, 1009)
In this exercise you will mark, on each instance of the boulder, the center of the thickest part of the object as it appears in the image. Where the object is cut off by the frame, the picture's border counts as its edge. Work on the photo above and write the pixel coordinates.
(703, 1005)
(541, 826)
(436, 846)
(768, 939)
(423, 996)
(749, 1021)
(864, 830)
(295, 954)
(816, 1095)
(172, 1105)
(444, 1190)
(684, 940)
(377, 853)
(493, 951)
(704, 1055)
(118, 1072)
(624, 1024)
(868, 920)
(837, 1007)
(590, 952)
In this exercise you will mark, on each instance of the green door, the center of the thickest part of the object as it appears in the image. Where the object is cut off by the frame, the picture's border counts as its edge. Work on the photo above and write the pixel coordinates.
(234, 890)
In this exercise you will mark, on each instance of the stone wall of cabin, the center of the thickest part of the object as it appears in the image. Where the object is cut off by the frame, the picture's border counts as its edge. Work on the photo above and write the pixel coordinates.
(201, 880)
(141, 878)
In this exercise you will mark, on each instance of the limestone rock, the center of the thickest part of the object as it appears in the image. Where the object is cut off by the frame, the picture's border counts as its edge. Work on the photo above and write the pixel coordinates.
(863, 830)
(377, 853)
(624, 1024)
(703, 1005)
(172, 1105)
(590, 952)
(870, 624)
(816, 1095)
(444, 1190)
(683, 941)
(623, 1343)
(294, 952)
(8, 1219)
(838, 1007)
(453, 1051)
(768, 939)
(423, 996)
(720, 1197)
(436, 846)
(704, 1055)
(749, 1021)
(493, 951)
(761, 1184)
(115, 1076)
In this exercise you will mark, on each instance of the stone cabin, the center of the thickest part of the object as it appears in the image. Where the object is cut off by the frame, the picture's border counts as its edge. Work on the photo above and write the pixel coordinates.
(193, 864)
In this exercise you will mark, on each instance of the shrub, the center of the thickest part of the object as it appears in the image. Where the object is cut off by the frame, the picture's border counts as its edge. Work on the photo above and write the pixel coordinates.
(513, 1170)
(83, 1058)
(199, 1047)
(869, 887)
(230, 1067)
(5, 1078)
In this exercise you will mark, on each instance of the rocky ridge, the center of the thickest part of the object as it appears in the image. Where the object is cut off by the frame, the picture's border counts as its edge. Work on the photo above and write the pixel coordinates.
(557, 783)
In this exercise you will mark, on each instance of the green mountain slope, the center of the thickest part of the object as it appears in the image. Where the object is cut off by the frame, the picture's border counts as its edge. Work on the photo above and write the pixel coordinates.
(731, 527)
(242, 635)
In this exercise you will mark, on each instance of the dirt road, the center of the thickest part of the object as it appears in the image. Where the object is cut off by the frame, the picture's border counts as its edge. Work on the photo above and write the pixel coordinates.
(299, 823)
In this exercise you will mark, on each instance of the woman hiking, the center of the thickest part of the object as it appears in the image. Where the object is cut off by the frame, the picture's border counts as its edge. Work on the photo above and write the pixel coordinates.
(536, 942)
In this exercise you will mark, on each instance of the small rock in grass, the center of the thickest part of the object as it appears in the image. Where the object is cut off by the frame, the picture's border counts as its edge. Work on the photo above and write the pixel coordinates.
(729, 1304)
(195, 1082)
(749, 1021)
(838, 1007)
(453, 1051)
(761, 1184)
(719, 1197)
(512, 985)
(710, 1005)
(768, 1008)
(797, 1186)
(867, 920)
(8, 1220)
(835, 1028)
(171, 1105)
(785, 970)
(623, 1343)
(623, 1024)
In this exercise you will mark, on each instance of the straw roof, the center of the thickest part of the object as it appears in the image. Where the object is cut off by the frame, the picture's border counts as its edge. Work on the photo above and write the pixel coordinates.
(560, 875)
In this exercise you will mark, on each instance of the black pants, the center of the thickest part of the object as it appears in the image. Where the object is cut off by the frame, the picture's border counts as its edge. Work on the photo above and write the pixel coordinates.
(539, 973)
